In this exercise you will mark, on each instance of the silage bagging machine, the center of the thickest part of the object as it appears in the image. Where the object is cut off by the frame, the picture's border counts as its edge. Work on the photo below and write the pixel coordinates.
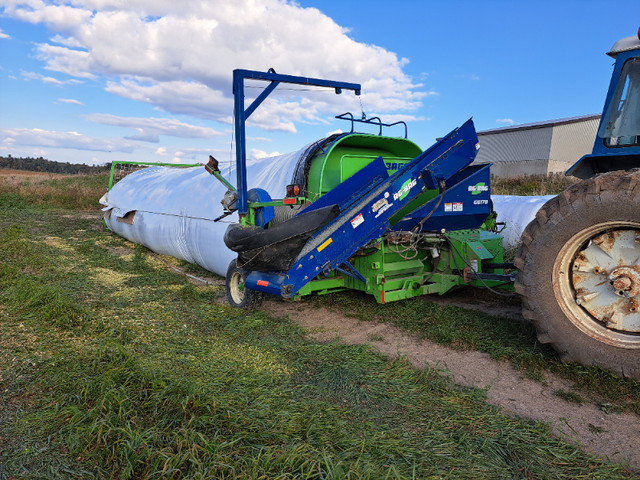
(363, 211)
(377, 214)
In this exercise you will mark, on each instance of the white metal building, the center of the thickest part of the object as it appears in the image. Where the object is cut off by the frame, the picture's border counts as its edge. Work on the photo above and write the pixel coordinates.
(537, 148)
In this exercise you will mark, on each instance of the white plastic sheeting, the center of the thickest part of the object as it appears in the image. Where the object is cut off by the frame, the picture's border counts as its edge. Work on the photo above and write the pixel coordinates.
(517, 211)
(175, 208)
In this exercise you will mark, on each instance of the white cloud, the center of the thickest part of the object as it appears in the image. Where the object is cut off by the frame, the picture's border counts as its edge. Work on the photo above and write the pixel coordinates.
(179, 56)
(3, 35)
(260, 154)
(57, 17)
(70, 100)
(200, 155)
(180, 97)
(50, 80)
(67, 41)
(149, 129)
(505, 120)
(259, 139)
(161, 151)
(37, 137)
(65, 60)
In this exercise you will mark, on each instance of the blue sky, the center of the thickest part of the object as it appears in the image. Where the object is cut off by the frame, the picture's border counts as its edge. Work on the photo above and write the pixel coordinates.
(91, 81)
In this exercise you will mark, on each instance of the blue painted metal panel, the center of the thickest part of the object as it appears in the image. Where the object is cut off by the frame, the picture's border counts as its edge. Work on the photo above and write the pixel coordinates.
(263, 214)
(466, 203)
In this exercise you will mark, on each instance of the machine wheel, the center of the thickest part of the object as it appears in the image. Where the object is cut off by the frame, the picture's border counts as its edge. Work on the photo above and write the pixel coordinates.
(237, 294)
(579, 272)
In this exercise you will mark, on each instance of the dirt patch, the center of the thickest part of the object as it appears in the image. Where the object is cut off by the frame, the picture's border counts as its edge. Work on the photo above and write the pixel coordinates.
(482, 300)
(614, 436)
(86, 216)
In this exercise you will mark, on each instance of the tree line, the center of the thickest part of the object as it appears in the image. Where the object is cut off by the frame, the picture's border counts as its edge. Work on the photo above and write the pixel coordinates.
(49, 166)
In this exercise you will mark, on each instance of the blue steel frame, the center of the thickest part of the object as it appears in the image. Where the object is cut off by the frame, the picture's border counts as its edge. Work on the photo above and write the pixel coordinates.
(241, 115)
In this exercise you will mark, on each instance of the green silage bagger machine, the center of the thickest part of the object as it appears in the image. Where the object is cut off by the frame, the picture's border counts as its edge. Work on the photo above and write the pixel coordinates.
(377, 214)
(365, 212)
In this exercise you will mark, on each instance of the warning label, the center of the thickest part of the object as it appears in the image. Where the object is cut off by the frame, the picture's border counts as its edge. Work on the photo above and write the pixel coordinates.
(453, 207)
(357, 220)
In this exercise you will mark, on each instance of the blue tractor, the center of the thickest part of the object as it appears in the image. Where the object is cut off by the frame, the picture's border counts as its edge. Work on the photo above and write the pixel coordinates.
(579, 262)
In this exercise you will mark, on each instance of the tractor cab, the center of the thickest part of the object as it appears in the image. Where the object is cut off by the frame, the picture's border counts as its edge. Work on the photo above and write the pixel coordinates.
(617, 145)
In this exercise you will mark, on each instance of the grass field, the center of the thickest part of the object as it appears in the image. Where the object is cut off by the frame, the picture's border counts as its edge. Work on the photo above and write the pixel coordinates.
(551, 184)
(114, 366)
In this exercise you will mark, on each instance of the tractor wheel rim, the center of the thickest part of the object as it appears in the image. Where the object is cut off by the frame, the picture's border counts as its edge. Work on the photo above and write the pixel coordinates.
(236, 287)
(597, 280)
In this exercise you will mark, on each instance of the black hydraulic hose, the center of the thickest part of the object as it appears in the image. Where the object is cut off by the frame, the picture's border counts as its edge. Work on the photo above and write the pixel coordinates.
(418, 226)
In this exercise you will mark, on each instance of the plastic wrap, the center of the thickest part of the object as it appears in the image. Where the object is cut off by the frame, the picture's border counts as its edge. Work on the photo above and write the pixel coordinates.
(171, 210)
(517, 211)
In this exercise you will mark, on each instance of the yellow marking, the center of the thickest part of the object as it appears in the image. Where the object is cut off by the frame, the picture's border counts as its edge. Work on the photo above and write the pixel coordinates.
(325, 244)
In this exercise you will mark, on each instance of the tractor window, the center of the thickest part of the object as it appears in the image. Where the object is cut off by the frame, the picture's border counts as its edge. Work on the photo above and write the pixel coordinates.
(621, 126)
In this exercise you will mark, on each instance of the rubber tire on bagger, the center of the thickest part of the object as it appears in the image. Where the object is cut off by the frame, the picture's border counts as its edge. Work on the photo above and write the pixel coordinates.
(237, 294)
(551, 242)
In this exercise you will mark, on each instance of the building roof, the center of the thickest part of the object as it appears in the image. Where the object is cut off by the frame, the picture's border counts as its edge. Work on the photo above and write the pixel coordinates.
(543, 124)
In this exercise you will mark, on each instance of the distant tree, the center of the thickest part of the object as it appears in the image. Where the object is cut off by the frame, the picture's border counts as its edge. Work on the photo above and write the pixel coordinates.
(43, 165)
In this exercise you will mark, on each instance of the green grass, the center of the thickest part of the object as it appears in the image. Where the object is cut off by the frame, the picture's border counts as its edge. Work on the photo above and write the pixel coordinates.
(569, 396)
(78, 192)
(503, 338)
(114, 366)
(551, 184)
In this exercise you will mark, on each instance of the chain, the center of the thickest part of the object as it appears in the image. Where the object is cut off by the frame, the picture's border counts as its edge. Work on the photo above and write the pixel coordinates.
(364, 115)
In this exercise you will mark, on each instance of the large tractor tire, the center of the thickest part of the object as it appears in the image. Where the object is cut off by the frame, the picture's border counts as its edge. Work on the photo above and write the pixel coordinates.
(579, 272)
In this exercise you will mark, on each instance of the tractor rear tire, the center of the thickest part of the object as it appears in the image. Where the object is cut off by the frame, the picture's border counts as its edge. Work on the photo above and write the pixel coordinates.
(570, 274)
(237, 294)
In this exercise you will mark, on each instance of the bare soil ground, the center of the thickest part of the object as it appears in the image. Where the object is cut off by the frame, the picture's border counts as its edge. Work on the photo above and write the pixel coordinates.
(614, 436)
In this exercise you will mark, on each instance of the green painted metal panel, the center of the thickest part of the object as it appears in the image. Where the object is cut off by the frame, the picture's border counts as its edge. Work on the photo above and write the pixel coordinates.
(350, 154)
(479, 250)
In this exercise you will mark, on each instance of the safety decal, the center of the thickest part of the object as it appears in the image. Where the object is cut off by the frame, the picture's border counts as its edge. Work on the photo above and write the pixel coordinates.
(263, 283)
(454, 207)
(357, 220)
